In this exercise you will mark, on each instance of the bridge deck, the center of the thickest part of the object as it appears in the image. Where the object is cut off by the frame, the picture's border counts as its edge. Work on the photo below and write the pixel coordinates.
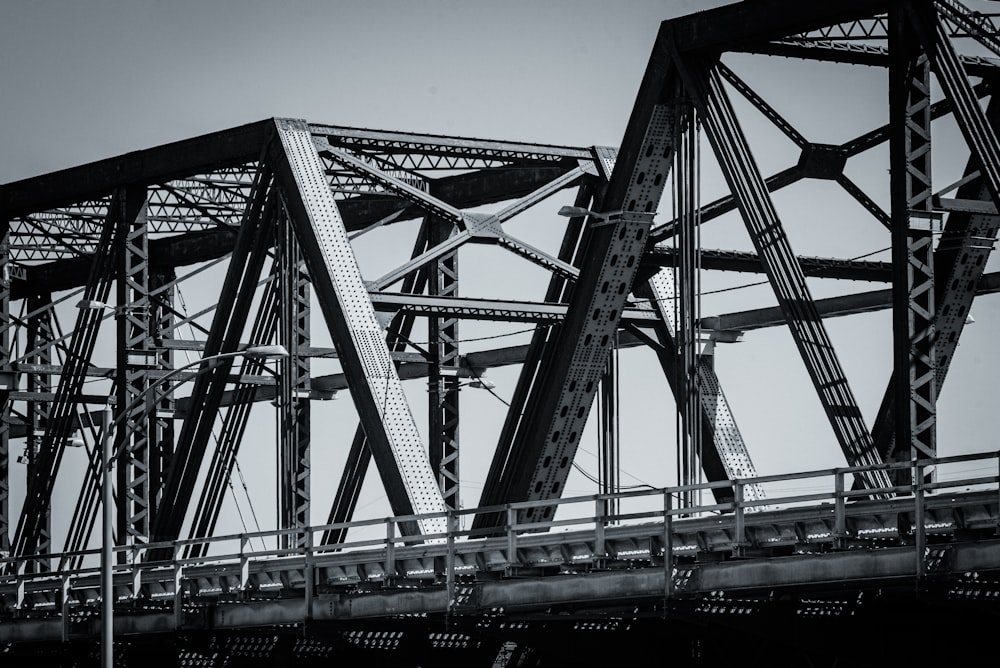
(585, 563)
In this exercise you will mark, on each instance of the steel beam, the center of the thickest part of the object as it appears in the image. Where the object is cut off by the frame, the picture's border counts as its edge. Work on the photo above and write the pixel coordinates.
(737, 25)
(136, 352)
(722, 453)
(376, 389)
(784, 273)
(968, 238)
(231, 313)
(41, 352)
(294, 479)
(531, 358)
(537, 464)
(662, 255)
(8, 382)
(359, 455)
(31, 524)
(97, 179)
(913, 225)
(218, 477)
(443, 384)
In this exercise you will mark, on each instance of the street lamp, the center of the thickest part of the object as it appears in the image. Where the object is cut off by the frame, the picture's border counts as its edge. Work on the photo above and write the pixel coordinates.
(574, 211)
(108, 424)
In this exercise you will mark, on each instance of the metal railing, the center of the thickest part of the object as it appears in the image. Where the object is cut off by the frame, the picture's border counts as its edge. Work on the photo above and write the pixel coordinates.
(650, 519)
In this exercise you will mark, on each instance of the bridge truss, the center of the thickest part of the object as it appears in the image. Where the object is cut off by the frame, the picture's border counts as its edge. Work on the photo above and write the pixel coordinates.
(290, 232)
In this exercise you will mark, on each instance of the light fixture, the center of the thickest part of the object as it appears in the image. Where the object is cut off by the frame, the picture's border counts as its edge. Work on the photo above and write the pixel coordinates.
(93, 304)
(571, 211)
(264, 352)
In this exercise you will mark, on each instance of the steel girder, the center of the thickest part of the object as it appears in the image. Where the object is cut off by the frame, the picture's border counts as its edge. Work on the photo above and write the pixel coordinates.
(294, 481)
(136, 354)
(443, 381)
(359, 455)
(35, 510)
(913, 225)
(231, 313)
(722, 453)
(784, 273)
(198, 193)
(377, 391)
(575, 356)
(7, 383)
(181, 217)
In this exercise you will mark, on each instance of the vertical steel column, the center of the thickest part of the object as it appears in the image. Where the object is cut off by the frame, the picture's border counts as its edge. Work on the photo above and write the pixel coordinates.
(7, 383)
(161, 291)
(443, 379)
(959, 262)
(686, 291)
(724, 454)
(740, 169)
(376, 389)
(912, 239)
(38, 412)
(609, 456)
(293, 397)
(136, 356)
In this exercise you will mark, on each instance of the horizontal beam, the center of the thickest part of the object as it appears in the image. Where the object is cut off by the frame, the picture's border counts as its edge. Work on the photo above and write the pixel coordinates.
(862, 302)
(820, 267)
(729, 27)
(429, 144)
(473, 189)
(485, 309)
(95, 180)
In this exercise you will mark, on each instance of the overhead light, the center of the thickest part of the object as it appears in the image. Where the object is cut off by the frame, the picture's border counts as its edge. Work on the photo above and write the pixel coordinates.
(572, 211)
(93, 304)
(265, 352)
(482, 384)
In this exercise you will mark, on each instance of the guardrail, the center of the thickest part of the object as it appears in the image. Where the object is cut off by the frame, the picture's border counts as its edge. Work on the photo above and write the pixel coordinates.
(645, 525)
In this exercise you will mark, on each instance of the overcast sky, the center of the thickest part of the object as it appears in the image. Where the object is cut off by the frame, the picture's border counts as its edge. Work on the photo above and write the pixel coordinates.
(86, 80)
(81, 81)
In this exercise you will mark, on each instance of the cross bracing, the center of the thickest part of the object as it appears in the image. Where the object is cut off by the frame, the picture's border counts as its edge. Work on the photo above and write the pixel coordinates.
(351, 247)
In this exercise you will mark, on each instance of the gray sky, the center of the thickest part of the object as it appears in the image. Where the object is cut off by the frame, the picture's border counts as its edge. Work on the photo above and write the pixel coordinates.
(86, 80)
(80, 81)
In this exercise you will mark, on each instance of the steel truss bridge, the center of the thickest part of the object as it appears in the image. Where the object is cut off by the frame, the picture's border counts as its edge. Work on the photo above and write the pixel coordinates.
(892, 557)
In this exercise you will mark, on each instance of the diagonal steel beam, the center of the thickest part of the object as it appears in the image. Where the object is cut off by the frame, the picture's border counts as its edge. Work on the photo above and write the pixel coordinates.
(230, 437)
(723, 453)
(38, 495)
(784, 273)
(375, 385)
(575, 354)
(359, 455)
(252, 242)
(968, 238)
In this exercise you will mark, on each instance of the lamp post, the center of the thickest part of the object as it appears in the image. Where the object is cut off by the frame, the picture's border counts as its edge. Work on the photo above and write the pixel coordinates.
(109, 423)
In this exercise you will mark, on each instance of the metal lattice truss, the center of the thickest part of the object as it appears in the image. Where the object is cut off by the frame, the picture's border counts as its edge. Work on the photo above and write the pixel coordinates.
(264, 220)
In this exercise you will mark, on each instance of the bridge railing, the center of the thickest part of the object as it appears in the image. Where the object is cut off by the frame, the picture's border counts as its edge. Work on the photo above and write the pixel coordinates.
(657, 515)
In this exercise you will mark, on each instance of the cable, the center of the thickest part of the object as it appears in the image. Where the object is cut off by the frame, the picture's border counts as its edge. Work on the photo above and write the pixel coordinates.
(480, 338)
(246, 491)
